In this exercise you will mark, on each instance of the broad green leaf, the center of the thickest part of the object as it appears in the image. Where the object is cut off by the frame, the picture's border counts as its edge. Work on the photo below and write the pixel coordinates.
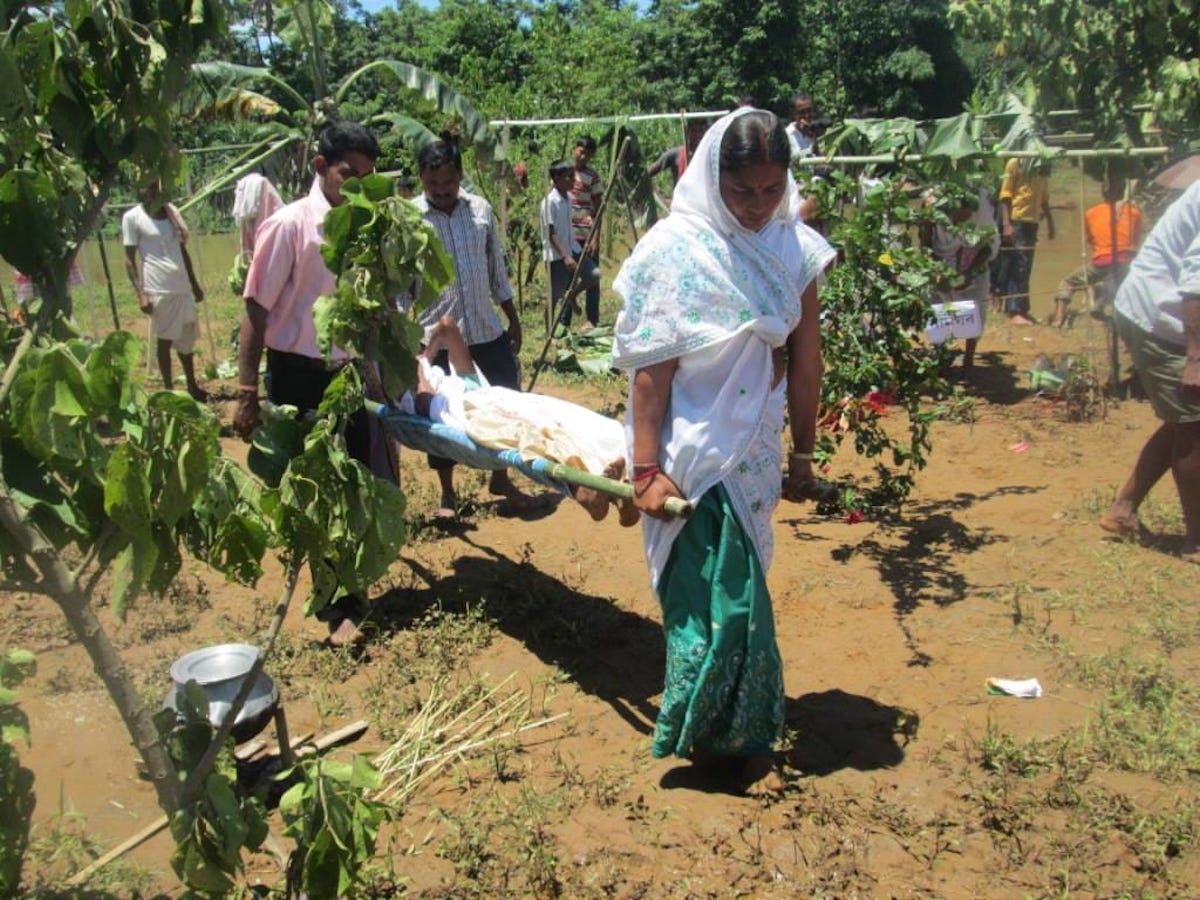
(238, 549)
(53, 510)
(16, 665)
(363, 775)
(475, 127)
(181, 446)
(31, 233)
(127, 491)
(108, 370)
(14, 724)
(278, 438)
(131, 567)
(55, 408)
(166, 561)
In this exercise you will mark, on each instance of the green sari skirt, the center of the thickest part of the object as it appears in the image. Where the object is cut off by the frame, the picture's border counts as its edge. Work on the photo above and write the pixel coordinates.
(724, 680)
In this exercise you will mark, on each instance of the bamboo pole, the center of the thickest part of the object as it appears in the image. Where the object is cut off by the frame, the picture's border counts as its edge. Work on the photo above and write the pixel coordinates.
(901, 157)
(112, 297)
(643, 117)
(676, 507)
(80, 878)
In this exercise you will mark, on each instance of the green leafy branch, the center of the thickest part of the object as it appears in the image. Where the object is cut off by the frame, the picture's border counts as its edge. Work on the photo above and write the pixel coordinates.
(335, 824)
(380, 247)
(16, 782)
(875, 308)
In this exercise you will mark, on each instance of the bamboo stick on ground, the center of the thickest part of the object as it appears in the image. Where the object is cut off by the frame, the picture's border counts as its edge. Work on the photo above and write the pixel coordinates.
(342, 734)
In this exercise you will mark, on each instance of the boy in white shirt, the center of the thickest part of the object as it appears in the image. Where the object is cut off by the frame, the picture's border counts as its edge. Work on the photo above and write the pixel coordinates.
(165, 283)
(559, 247)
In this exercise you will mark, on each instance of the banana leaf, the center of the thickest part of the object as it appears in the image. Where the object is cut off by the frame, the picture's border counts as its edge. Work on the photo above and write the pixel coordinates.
(482, 137)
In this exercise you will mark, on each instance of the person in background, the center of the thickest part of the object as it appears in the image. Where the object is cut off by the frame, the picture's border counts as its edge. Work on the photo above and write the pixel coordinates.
(1114, 230)
(801, 131)
(559, 247)
(587, 193)
(1024, 201)
(165, 282)
(1157, 315)
(720, 334)
(467, 229)
(286, 276)
(675, 160)
(671, 160)
(966, 247)
(406, 187)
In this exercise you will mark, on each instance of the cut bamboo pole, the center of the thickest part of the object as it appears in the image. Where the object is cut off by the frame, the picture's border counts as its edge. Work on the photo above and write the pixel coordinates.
(676, 507)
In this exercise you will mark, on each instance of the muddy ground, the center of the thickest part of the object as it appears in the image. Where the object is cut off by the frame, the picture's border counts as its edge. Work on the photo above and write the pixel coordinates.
(905, 777)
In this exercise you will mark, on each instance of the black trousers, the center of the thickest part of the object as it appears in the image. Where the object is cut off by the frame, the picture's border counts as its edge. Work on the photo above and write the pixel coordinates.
(300, 381)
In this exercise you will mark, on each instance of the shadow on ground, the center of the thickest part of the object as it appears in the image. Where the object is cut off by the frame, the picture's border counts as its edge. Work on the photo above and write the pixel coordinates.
(996, 381)
(610, 653)
(836, 730)
(918, 556)
(833, 731)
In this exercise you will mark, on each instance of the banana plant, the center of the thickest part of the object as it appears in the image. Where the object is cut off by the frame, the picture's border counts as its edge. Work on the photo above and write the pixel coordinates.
(225, 88)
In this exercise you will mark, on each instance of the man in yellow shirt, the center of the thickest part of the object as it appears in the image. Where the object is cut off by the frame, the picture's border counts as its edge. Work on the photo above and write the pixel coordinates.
(1024, 200)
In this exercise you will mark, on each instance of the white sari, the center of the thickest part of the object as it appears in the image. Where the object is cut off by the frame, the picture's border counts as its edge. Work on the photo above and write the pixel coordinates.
(702, 289)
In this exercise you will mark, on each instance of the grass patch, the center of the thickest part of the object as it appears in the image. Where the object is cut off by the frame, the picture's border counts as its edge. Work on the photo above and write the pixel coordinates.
(1149, 719)
(61, 846)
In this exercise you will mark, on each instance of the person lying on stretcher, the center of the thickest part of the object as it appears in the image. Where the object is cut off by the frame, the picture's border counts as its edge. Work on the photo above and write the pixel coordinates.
(532, 424)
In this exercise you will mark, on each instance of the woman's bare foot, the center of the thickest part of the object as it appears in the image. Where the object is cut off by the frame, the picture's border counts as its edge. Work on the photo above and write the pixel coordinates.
(763, 777)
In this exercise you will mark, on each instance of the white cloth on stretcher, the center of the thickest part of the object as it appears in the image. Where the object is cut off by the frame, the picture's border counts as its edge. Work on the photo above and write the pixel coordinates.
(532, 424)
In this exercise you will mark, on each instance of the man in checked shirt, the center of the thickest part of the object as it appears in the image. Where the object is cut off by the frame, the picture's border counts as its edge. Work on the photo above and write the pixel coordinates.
(468, 230)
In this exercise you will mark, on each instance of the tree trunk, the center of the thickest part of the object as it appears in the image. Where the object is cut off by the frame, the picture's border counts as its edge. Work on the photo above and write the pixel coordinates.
(108, 664)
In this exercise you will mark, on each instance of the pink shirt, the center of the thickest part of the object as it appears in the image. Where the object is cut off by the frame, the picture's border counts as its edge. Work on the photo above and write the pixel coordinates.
(288, 274)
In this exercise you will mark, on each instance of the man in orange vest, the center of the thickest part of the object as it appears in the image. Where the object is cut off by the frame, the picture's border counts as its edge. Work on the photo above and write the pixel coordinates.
(1114, 231)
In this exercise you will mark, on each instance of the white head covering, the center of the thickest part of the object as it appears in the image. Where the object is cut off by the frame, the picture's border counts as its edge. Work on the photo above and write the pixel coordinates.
(698, 192)
(698, 277)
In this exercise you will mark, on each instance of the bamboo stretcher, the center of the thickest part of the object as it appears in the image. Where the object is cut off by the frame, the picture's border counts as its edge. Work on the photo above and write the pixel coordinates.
(428, 436)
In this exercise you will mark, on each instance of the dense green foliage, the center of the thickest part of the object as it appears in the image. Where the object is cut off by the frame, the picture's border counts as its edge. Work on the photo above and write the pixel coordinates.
(378, 244)
(1103, 58)
(211, 830)
(525, 59)
(876, 305)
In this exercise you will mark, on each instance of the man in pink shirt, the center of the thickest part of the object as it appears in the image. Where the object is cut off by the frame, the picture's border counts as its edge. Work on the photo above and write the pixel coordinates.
(287, 275)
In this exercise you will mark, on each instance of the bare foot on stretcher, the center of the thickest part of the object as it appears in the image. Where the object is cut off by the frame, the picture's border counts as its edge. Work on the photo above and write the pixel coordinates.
(594, 501)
